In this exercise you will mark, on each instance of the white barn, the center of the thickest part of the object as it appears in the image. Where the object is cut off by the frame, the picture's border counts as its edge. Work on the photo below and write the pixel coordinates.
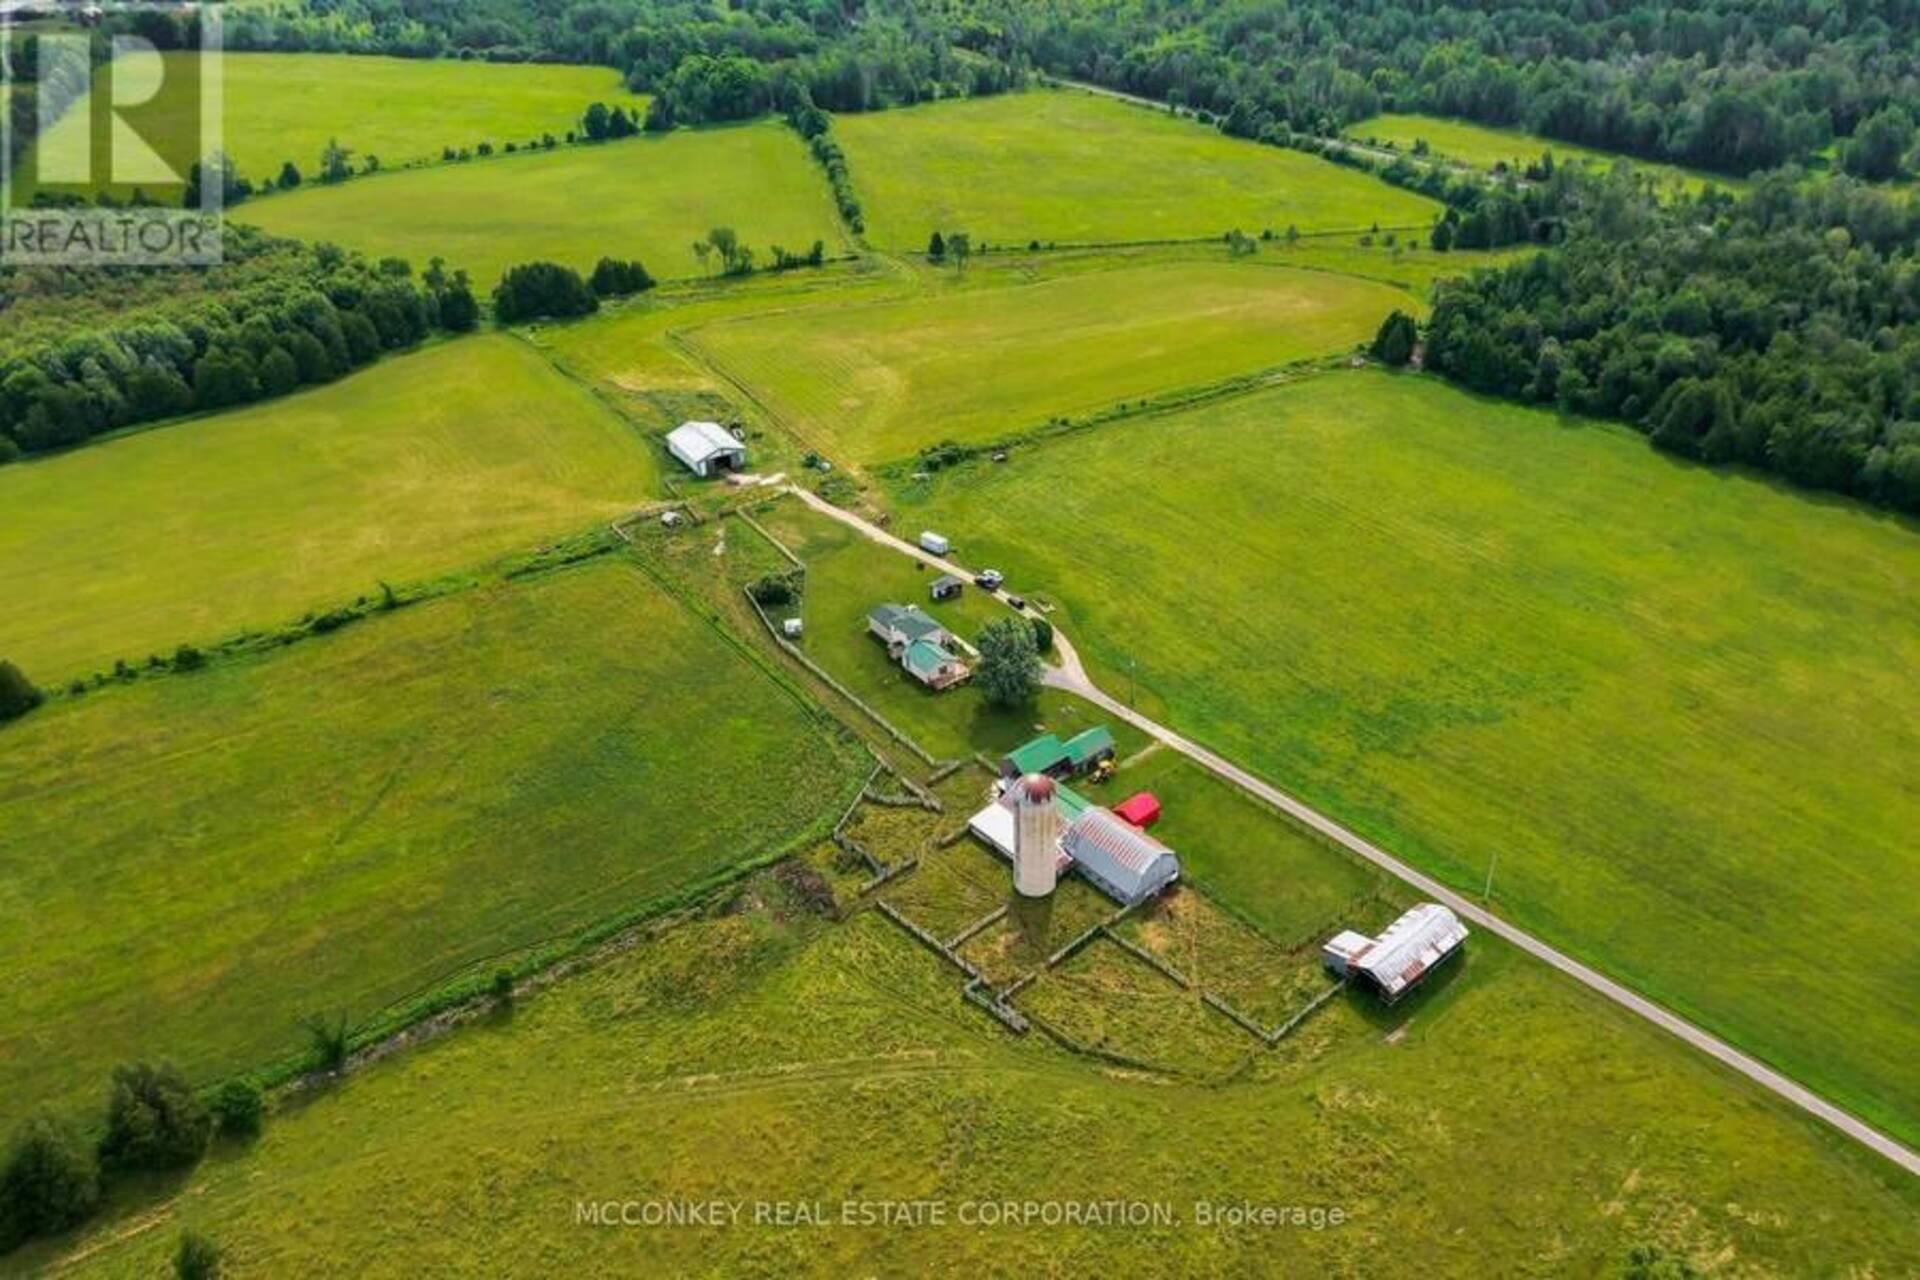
(706, 448)
(1412, 947)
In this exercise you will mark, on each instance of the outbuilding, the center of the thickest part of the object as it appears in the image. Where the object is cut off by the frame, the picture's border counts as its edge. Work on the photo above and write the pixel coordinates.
(706, 448)
(947, 587)
(1141, 809)
(935, 543)
(1399, 959)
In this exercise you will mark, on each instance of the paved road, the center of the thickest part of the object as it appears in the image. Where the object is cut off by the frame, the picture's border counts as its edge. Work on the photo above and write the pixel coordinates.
(1071, 676)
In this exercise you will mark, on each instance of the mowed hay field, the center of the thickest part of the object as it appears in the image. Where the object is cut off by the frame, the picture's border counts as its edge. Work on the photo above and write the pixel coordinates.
(741, 1058)
(1484, 146)
(419, 465)
(875, 383)
(1678, 706)
(648, 198)
(1071, 167)
(289, 106)
(191, 864)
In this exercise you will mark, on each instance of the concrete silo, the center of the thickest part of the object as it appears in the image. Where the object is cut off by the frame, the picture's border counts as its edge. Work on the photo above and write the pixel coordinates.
(1036, 835)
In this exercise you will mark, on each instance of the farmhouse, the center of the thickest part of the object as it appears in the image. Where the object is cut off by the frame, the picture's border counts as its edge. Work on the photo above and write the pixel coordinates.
(1046, 754)
(1394, 963)
(1045, 830)
(706, 448)
(919, 644)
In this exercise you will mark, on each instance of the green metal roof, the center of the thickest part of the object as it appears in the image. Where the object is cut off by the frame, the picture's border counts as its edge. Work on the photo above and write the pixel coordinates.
(1088, 743)
(909, 622)
(925, 658)
(1038, 756)
(1072, 803)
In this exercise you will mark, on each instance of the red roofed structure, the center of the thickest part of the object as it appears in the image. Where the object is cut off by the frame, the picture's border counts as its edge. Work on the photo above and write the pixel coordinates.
(1142, 809)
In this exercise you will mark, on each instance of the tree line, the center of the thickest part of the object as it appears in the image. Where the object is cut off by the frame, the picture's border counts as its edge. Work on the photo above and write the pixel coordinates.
(52, 1178)
(1776, 330)
(311, 315)
(1730, 85)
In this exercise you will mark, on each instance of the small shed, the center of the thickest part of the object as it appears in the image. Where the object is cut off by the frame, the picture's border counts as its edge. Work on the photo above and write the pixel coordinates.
(793, 627)
(1141, 809)
(934, 542)
(946, 587)
(706, 448)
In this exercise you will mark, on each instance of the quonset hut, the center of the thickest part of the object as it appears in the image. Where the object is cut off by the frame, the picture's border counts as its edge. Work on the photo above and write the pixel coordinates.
(1394, 963)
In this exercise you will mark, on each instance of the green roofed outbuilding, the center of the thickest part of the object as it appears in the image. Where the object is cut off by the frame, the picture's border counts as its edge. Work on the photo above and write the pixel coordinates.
(1087, 749)
(1047, 754)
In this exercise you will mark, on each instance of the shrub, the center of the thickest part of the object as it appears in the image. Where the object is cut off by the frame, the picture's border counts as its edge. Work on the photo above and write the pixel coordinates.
(1042, 635)
(615, 279)
(1393, 345)
(240, 1108)
(503, 986)
(153, 1120)
(771, 590)
(197, 1258)
(50, 1181)
(328, 1039)
(17, 693)
(188, 658)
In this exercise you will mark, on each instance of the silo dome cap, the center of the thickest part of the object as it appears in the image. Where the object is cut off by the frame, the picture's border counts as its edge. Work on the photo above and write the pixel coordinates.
(1038, 786)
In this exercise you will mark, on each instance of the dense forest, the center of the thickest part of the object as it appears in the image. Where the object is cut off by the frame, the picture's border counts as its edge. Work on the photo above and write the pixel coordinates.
(1776, 330)
(276, 316)
(700, 61)
(1731, 85)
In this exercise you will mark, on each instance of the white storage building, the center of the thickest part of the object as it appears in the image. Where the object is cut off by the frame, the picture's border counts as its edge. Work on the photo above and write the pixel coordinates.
(706, 448)
(1412, 947)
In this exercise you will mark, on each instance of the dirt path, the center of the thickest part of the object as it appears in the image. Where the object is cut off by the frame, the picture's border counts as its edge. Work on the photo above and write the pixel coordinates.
(1071, 675)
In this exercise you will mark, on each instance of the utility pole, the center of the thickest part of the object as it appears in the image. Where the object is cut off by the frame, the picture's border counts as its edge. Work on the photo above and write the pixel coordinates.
(1486, 894)
(1133, 683)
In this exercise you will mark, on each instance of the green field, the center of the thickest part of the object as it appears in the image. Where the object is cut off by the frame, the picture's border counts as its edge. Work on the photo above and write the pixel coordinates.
(189, 865)
(1484, 146)
(1473, 631)
(1071, 167)
(875, 383)
(420, 465)
(648, 198)
(289, 106)
(1509, 1123)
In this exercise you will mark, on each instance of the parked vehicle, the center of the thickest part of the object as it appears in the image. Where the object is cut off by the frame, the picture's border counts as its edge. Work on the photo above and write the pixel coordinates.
(934, 542)
(1018, 602)
(989, 579)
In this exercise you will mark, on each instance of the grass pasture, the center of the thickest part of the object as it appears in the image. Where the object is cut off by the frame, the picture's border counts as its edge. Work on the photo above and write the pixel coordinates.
(742, 1057)
(190, 865)
(875, 383)
(648, 198)
(1484, 146)
(1069, 167)
(422, 464)
(289, 106)
(1474, 631)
